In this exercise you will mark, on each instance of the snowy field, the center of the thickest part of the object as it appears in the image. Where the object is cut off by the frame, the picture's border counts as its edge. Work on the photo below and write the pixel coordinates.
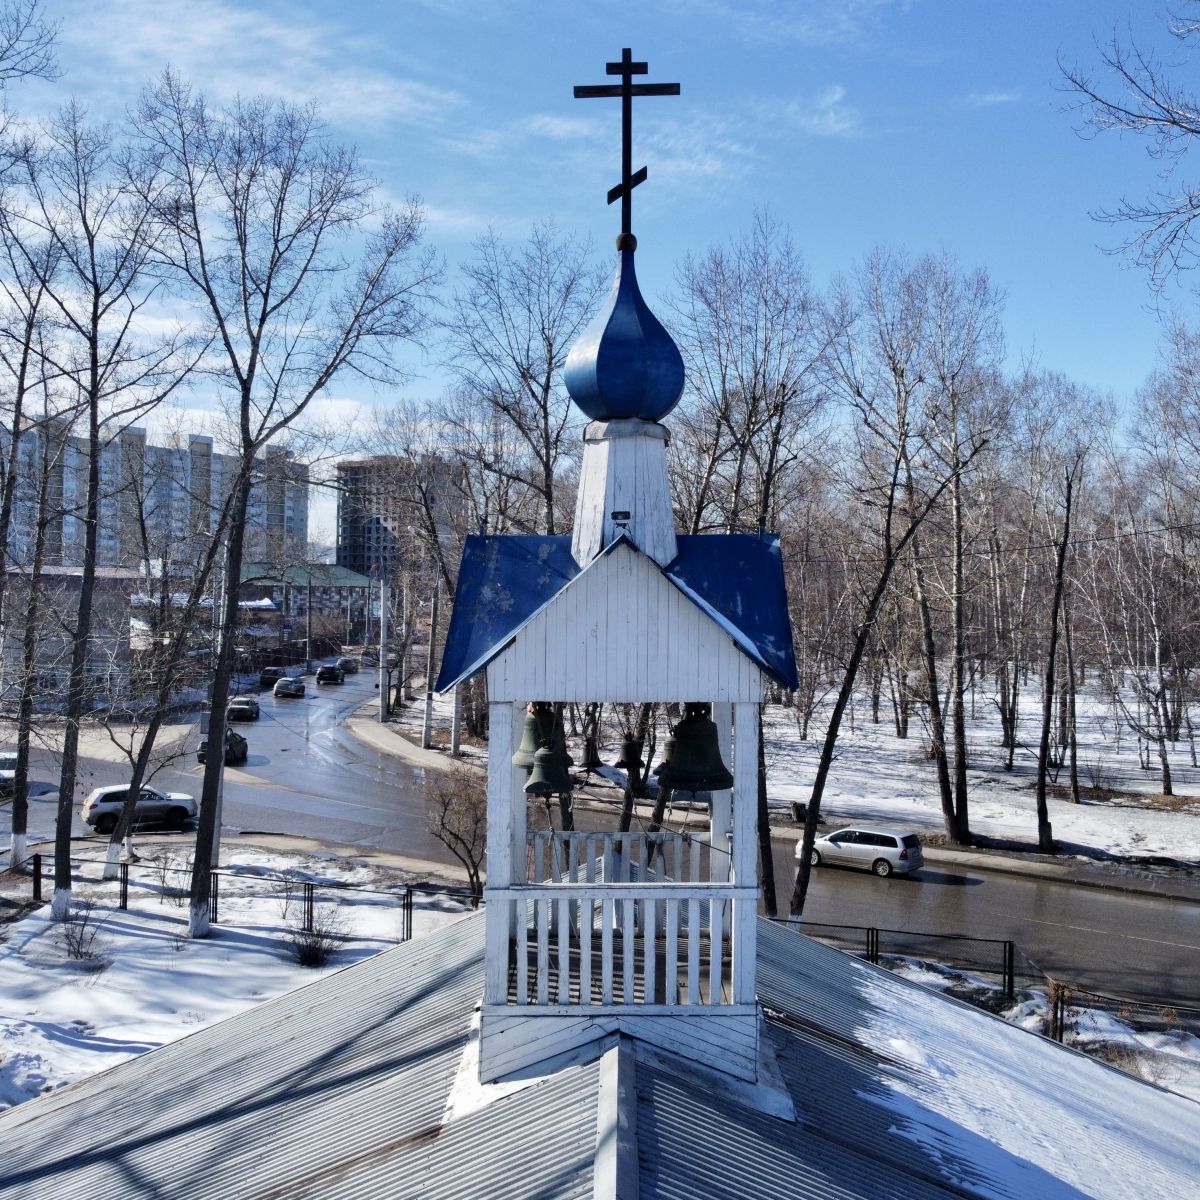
(141, 982)
(880, 777)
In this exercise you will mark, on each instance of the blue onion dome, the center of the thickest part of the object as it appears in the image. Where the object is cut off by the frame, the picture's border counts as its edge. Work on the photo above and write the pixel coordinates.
(625, 364)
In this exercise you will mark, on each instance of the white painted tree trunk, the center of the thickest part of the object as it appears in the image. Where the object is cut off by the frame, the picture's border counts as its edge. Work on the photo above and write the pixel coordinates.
(19, 850)
(198, 923)
(60, 905)
(112, 858)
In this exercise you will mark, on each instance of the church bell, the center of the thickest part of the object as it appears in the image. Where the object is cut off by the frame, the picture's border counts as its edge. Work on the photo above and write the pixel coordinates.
(631, 755)
(691, 759)
(549, 776)
(539, 731)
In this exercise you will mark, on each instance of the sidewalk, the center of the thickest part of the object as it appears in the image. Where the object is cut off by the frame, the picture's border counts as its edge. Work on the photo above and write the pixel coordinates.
(1130, 876)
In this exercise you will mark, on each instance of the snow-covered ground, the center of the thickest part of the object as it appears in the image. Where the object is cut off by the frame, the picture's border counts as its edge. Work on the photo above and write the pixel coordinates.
(878, 776)
(142, 982)
(147, 983)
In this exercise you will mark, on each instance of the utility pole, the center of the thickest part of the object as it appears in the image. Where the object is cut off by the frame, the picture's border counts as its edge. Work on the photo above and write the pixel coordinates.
(383, 652)
(427, 730)
(308, 622)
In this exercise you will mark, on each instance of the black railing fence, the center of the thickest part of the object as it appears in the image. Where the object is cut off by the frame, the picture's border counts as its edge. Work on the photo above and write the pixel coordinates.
(167, 882)
(996, 958)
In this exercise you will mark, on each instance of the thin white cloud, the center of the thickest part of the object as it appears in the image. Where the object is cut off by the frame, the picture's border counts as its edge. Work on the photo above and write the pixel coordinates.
(226, 49)
(808, 22)
(989, 99)
(823, 114)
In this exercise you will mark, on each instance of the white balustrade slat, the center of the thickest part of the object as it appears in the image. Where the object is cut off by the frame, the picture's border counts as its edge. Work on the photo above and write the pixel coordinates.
(629, 934)
(693, 996)
(522, 953)
(564, 951)
(606, 952)
(543, 951)
(586, 916)
(649, 950)
(715, 946)
(671, 956)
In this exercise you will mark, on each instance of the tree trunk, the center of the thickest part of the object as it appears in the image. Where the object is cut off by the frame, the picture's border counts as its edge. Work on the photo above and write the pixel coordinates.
(766, 861)
(208, 824)
(962, 822)
(1045, 832)
(77, 682)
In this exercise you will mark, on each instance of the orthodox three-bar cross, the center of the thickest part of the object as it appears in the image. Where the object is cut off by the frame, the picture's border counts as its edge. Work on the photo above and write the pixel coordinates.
(626, 90)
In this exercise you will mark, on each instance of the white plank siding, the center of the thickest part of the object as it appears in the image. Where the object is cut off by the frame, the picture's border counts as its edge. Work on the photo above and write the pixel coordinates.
(624, 470)
(621, 632)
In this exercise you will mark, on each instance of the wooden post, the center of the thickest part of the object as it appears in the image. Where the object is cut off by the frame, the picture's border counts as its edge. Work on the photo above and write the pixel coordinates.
(499, 848)
(745, 847)
(722, 802)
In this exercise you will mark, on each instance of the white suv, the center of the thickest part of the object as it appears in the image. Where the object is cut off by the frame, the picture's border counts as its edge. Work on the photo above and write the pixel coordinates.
(103, 807)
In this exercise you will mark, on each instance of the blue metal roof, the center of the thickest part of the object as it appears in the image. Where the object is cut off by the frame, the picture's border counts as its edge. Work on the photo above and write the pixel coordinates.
(736, 579)
(502, 581)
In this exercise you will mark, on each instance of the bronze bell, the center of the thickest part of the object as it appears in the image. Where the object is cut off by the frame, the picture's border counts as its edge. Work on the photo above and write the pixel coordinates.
(549, 776)
(539, 731)
(691, 759)
(631, 755)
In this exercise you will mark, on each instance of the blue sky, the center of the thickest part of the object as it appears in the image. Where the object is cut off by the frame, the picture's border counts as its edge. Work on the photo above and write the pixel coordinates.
(924, 124)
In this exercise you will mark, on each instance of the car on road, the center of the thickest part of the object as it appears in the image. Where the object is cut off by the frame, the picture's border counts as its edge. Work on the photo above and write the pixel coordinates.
(348, 665)
(883, 851)
(103, 806)
(236, 749)
(330, 674)
(242, 708)
(8, 772)
(269, 676)
(289, 687)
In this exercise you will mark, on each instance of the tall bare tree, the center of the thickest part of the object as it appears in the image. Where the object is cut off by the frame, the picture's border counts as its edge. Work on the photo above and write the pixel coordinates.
(263, 231)
(72, 195)
(509, 329)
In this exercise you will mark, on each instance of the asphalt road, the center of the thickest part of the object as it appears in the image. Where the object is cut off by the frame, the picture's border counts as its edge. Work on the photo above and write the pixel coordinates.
(1134, 946)
(308, 775)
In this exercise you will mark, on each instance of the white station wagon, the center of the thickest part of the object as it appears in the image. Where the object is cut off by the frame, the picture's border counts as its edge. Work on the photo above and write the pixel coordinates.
(883, 851)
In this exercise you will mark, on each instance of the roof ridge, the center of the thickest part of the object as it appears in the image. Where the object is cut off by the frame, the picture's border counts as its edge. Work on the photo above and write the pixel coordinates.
(616, 1162)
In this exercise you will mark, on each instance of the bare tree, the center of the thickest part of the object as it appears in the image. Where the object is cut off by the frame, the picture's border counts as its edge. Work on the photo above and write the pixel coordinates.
(508, 332)
(26, 42)
(263, 231)
(73, 197)
(458, 819)
(1137, 93)
(893, 439)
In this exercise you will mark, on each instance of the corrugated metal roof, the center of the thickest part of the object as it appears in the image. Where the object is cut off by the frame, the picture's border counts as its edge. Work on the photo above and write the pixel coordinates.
(340, 1090)
(735, 579)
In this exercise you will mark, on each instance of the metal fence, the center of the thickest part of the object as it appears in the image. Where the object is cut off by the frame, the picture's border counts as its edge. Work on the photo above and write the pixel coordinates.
(993, 957)
(989, 956)
(160, 876)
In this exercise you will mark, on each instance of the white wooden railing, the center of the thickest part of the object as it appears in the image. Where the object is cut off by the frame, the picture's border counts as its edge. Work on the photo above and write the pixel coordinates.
(622, 921)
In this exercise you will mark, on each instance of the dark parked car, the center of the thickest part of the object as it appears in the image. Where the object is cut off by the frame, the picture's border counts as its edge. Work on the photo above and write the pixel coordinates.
(242, 708)
(236, 748)
(330, 674)
(269, 676)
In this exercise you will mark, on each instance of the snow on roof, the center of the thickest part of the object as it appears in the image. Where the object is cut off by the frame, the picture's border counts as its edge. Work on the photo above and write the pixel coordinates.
(504, 581)
(343, 1089)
